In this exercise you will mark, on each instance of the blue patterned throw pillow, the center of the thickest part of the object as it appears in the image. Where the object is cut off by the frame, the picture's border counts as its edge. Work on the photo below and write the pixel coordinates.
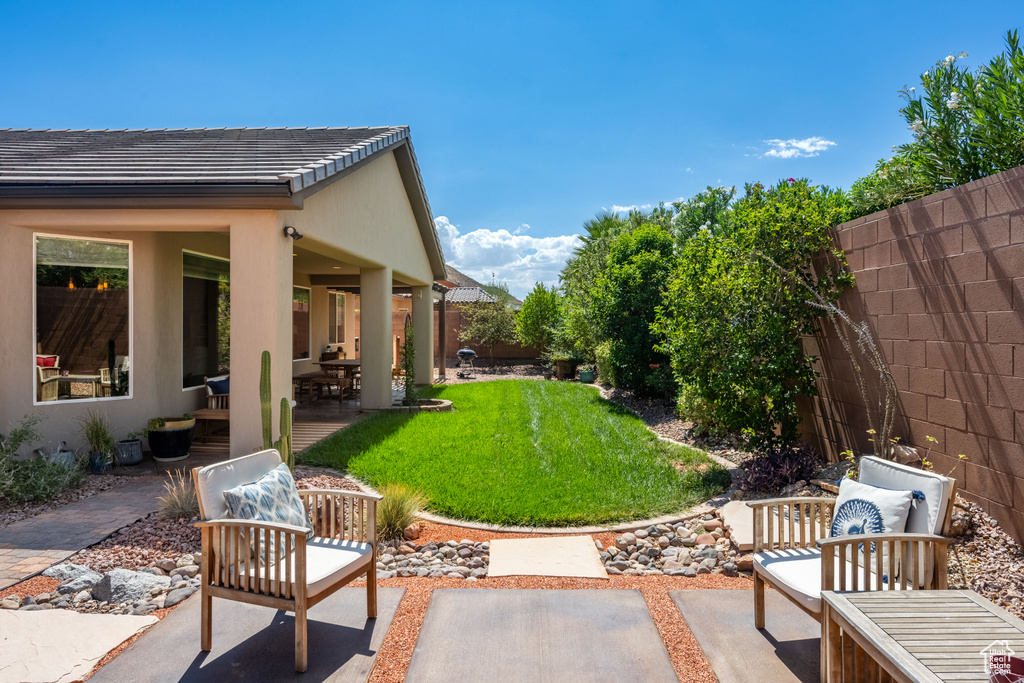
(274, 498)
(864, 509)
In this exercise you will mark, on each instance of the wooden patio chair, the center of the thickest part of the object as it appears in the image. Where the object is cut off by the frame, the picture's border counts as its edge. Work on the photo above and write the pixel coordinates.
(794, 554)
(239, 561)
(47, 383)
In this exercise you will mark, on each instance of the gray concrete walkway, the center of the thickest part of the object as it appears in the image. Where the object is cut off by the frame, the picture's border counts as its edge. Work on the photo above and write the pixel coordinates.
(722, 621)
(539, 635)
(256, 644)
(33, 544)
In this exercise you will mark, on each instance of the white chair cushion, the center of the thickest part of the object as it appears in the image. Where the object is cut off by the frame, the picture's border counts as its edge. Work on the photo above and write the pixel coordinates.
(212, 481)
(864, 509)
(326, 558)
(797, 573)
(926, 516)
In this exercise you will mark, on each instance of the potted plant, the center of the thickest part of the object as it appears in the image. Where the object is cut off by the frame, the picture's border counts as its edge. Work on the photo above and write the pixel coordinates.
(170, 438)
(587, 374)
(565, 363)
(96, 432)
(129, 449)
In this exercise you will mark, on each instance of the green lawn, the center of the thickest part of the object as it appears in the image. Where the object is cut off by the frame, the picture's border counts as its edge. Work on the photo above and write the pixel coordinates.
(525, 452)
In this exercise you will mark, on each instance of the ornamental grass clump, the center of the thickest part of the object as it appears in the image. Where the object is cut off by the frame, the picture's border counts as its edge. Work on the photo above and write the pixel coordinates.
(400, 507)
(180, 501)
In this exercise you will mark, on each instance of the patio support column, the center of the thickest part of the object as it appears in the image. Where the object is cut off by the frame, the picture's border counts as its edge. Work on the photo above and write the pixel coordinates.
(261, 319)
(375, 336)
(442, 338)
(423, 328)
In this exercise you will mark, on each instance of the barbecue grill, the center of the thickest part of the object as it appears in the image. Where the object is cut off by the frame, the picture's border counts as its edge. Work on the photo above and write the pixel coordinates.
(466, 357)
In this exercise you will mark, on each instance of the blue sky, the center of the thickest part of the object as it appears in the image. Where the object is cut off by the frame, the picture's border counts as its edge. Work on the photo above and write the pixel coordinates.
(528, 118)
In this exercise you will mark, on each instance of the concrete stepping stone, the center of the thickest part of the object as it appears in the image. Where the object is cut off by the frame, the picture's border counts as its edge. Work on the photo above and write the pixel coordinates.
(539, 635)
(59, 646)
(574, 556)
(788, 650)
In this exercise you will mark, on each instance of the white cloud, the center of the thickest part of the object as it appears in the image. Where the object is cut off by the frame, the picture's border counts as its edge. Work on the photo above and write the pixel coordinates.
(615, 208)
(792, 148)
(513, 257)
(689, 170)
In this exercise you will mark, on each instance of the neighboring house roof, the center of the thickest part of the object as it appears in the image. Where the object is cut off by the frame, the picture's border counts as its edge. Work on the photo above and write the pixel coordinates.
(200, 167)
(467, 295)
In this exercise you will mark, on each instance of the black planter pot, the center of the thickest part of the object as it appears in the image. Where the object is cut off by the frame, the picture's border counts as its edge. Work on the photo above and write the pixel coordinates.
(129, 452)
(98, 462)
(172, 441)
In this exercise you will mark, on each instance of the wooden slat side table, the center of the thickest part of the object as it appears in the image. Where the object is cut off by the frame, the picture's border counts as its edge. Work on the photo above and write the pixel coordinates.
(912, 636)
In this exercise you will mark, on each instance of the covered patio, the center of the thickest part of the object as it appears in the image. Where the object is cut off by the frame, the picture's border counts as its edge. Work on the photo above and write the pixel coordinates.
(186, 253)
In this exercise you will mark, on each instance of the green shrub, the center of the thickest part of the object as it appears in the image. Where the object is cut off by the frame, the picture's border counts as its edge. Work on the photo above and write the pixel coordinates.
(693, 407)
(605, 369)
(400, 507)
(180, 501)
(37, 480)
(966, 126)
(539, 317)
(734, 312)
(630, 292)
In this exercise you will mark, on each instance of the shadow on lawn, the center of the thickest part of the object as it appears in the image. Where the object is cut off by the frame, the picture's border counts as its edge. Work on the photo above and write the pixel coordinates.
(338, 449)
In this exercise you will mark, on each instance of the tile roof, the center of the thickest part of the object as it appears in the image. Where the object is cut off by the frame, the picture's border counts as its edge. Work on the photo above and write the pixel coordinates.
(298, 157)
(466, 295)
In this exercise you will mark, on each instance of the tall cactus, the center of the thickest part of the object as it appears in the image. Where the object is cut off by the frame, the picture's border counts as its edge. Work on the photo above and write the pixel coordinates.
(284, 444)
(265, 407)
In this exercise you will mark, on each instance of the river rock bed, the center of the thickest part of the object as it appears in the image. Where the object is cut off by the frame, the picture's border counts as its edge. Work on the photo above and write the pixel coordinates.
(119, 591)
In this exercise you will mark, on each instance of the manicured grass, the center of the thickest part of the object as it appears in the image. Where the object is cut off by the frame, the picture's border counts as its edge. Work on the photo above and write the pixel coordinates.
(525, 452)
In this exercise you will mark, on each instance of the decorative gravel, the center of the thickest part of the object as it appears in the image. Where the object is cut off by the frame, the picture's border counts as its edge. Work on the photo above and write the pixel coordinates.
(15, 512)
(142, 544)
(986, 559)
(503, 370)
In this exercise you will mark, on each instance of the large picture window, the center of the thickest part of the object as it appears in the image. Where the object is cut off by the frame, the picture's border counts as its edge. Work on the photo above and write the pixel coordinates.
(336, 322)
(300, 323)
(83, 318)
(206, 318)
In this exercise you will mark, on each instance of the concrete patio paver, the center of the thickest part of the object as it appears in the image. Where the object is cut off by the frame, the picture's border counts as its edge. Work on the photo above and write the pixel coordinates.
(33, 544)
(254, 644)
(539, 635)
(722, 621)
(558, 556)
(30, 651)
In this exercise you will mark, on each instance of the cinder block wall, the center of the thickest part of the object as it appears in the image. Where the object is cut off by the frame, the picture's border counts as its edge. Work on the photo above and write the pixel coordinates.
(941, 283)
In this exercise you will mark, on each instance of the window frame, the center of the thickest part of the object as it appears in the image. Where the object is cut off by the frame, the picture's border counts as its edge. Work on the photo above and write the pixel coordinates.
(309, 325)
(35, 318)
(181, 281)
(333, 330)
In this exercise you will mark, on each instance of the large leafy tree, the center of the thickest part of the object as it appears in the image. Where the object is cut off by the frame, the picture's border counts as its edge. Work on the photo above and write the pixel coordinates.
(737, 307)
(629, 292)
(539, 317)
(490, 322)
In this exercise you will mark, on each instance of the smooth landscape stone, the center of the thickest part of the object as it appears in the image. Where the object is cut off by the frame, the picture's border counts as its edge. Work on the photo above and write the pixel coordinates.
(123, 585)
(177, 595)
(76, 584)
(64, 572)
